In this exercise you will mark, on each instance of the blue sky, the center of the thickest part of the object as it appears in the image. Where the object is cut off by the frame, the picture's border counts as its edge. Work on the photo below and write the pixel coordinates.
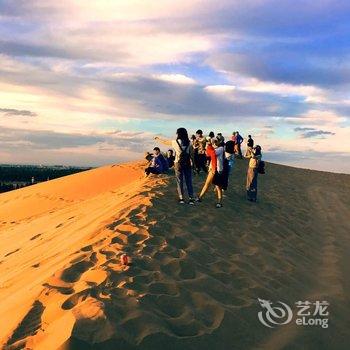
(91, 83)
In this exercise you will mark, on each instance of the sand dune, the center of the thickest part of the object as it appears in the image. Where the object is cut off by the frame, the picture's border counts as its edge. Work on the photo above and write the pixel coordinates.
(196, 272)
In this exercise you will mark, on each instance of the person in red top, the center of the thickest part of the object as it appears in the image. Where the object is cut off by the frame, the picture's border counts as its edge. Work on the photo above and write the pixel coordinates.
(210, 152)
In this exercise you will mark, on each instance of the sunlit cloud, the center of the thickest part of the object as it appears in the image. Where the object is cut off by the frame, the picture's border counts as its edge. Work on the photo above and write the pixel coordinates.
(279, 70)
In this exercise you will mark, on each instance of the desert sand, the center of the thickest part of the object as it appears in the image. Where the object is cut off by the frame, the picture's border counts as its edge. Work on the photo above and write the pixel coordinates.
(196, 272)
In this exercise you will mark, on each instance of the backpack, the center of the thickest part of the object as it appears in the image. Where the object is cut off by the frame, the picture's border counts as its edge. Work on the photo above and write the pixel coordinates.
(230, 147)
(184, 158)
(261, 167)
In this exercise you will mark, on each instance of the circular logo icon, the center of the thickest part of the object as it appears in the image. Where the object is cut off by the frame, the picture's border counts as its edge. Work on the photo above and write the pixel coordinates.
(274, 315)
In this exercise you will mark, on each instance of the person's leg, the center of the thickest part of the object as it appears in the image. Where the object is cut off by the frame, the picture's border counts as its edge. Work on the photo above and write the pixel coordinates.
(235, 149)
(219, 193)
(196, 163)
(240, 151)
(179, 183)
(206, 185)
(152, 170)
(254, 186)
(188, 179)
(203, 161)
(249, 182)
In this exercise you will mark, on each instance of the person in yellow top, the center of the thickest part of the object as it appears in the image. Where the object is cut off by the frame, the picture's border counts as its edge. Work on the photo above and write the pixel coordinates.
(252, 173)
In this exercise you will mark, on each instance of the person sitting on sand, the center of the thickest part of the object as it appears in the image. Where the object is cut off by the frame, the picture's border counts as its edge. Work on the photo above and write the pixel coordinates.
(170, 158)
(183, 163)
(217, 174)
(158, 164)
(250, 145)
(252, 174)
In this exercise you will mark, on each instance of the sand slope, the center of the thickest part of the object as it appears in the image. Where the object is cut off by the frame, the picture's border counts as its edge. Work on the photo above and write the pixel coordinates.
(196, 272)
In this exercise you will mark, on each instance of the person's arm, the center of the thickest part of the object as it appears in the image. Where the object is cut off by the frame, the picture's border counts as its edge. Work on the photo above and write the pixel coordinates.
(163, 141)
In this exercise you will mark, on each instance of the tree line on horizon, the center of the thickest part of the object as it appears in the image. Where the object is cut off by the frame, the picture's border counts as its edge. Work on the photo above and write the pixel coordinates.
(13, 177)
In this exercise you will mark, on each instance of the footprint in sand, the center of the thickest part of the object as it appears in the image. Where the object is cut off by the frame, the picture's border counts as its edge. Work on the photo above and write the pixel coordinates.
(73, 273)
(36, 236)
(75, 299)
(14, 251)
(29, 326)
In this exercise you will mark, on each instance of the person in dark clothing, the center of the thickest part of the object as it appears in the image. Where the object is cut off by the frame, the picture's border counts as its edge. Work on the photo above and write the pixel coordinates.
(148, 156)
(250, 145)
(158, 164)
(250, 142)
(170, 158)
(239, 140)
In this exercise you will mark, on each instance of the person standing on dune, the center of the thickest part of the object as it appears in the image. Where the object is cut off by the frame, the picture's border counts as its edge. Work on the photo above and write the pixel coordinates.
(252, 174)
(195, 146)
(184, 160)
(202, 158)
(218, 170)
(250, 145)
(239, 140)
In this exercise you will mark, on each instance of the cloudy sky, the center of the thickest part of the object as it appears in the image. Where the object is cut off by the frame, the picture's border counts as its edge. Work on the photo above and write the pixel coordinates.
(92, 82)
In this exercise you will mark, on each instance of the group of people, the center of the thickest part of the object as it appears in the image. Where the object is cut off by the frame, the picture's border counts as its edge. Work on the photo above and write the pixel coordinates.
(208, 154)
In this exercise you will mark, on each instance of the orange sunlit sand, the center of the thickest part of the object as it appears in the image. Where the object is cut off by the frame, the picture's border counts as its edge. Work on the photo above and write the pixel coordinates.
(194, 277)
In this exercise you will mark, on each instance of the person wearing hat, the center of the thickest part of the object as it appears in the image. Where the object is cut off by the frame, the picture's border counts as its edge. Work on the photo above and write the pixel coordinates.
(252, 173)
(158, 164)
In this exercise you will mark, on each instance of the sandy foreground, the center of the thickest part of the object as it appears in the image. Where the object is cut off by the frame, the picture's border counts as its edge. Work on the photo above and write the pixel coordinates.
(196, 272)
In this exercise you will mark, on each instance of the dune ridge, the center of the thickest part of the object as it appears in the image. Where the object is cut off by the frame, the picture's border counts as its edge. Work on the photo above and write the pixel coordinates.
(47, 233)
(196, 272)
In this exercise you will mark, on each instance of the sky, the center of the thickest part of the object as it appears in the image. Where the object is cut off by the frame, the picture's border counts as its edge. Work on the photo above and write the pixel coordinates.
(89, 83)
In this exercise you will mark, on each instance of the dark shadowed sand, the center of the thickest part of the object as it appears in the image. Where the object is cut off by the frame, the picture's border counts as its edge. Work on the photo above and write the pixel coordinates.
(196, 272)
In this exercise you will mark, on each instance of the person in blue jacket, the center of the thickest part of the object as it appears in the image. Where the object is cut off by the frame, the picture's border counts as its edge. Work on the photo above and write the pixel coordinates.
(158, 164)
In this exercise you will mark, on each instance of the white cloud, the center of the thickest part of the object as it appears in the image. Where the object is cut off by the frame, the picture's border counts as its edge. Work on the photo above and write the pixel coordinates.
(311, 93)
(317, 118)
(220, 89)
(175, 78)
